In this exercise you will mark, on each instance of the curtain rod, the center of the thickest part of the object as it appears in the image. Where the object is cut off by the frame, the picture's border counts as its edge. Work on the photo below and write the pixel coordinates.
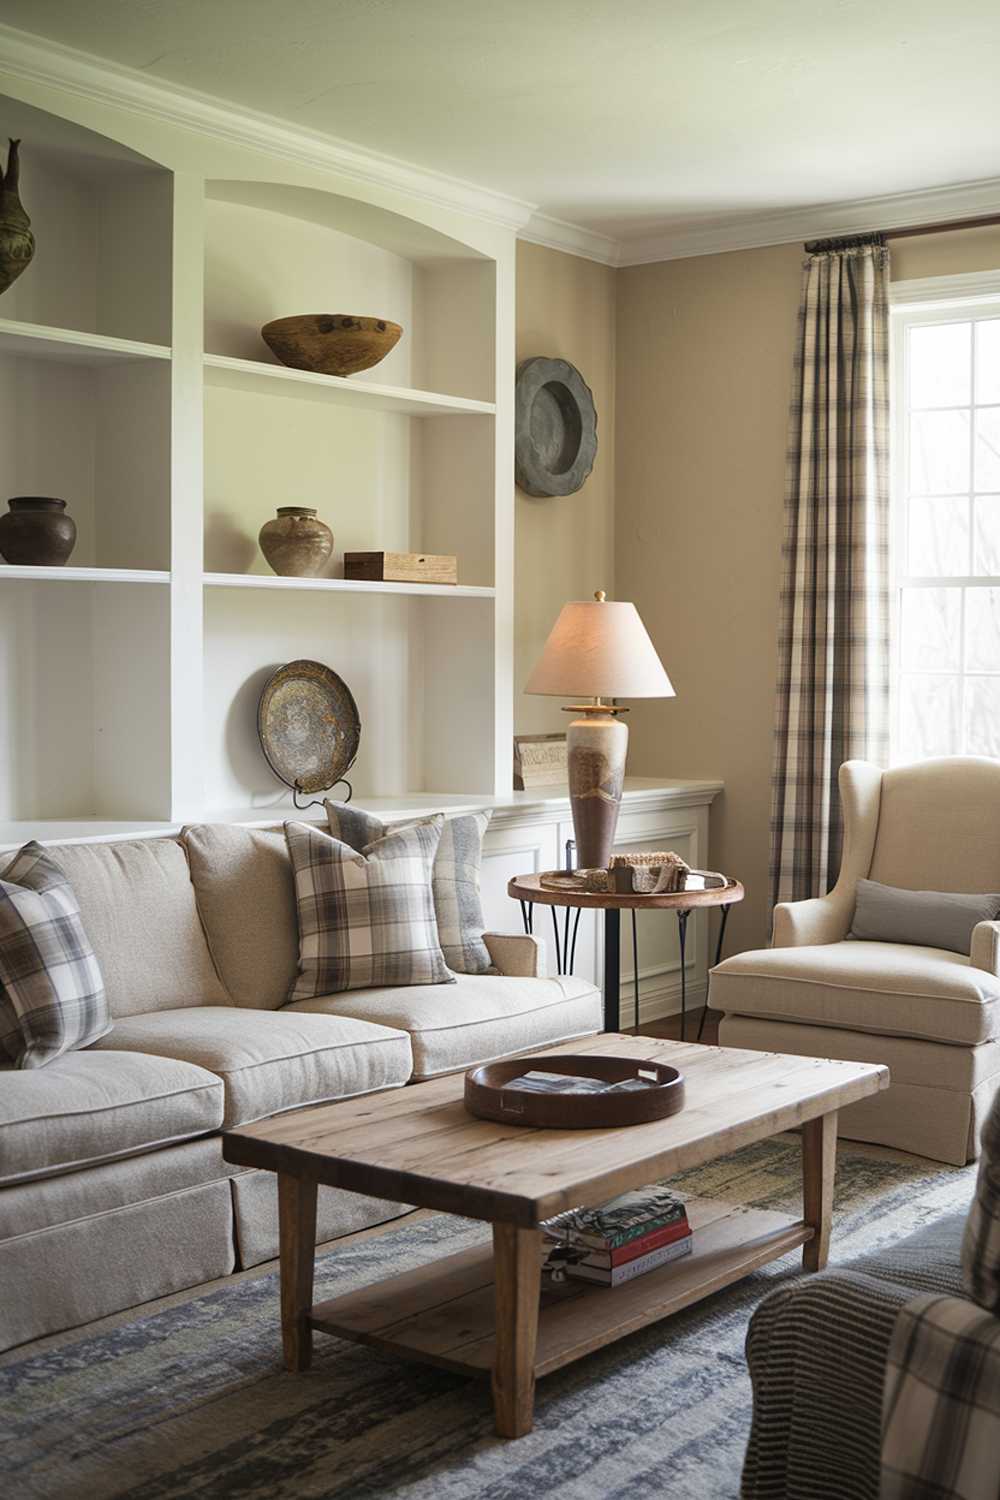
(911, 231)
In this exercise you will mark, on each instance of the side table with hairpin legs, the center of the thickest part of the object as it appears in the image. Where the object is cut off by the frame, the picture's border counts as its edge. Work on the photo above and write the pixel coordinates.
(529, 890)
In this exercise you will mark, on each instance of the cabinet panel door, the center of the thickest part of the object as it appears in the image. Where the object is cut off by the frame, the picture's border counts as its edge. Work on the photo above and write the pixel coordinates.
(521, 849)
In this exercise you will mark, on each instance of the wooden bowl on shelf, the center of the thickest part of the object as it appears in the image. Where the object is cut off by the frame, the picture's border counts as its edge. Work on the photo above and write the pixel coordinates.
(489, 1095)
(331, 343)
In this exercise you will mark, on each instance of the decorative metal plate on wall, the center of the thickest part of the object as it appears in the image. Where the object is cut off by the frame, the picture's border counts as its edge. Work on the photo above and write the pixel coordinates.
(309, 726)
(555, 440)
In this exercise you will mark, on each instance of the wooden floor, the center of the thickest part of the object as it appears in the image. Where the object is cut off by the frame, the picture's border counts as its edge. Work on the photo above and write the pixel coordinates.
(670, 1027)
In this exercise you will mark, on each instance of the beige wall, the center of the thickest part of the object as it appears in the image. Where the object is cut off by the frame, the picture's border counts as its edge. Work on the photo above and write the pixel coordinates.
(704, 353)
(565, 543)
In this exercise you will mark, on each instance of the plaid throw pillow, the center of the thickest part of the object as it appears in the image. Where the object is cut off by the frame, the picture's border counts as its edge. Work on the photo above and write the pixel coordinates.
(458, 904)
(51, 991)
(981, 1244)
(365, 919)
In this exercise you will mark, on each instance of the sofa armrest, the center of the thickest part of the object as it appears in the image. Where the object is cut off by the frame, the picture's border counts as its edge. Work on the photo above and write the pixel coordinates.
(824, 919)
(984, 950)
(519, 955)
(942, 1380)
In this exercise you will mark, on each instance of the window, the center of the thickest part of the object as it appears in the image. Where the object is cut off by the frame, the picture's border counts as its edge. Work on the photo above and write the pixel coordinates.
(946, 530)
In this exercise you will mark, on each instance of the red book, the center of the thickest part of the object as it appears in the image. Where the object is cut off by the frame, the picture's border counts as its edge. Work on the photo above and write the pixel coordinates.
(653, 1239)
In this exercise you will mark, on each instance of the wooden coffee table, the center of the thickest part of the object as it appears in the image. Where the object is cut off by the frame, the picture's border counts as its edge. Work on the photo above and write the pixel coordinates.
(491, 1313)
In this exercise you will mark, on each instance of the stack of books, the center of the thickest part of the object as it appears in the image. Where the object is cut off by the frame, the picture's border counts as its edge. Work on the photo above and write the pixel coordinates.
(622, 1239)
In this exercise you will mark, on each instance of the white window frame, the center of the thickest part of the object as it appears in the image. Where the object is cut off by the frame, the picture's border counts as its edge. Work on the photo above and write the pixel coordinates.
(912, 304)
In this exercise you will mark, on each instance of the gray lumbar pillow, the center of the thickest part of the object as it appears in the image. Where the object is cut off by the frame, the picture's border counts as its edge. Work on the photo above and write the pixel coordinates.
(930, 919)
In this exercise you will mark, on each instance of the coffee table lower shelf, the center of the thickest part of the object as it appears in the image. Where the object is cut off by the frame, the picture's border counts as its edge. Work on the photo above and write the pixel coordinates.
(445, 1313)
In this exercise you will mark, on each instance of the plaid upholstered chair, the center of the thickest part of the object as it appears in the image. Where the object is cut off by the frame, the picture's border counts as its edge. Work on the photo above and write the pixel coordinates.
(930, 1013)
(880, 1380)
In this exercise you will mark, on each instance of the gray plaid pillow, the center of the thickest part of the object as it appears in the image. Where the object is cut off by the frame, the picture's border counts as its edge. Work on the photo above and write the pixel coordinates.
(981, 1244)
(455, 881)
(365, 919)
(51, 991)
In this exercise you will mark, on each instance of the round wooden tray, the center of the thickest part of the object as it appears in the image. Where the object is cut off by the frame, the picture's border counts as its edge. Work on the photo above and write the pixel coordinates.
(488, 1095)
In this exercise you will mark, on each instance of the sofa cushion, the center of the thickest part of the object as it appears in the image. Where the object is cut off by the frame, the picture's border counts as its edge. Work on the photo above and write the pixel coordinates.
(479, 1018)
(271, 1061)
(891, 988)
(138, 908)
(52, 996)
(95, 1106)
(245, 890)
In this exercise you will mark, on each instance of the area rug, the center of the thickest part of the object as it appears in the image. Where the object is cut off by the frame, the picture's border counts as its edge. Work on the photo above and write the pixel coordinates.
(192, 1402)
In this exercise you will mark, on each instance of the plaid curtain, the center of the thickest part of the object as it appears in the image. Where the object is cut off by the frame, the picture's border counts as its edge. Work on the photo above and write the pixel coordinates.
(833, 651)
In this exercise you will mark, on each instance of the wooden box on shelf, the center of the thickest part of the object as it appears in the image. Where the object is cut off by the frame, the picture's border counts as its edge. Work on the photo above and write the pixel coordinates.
(401, 567)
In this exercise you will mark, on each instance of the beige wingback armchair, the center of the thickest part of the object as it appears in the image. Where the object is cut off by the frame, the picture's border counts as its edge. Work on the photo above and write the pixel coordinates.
(933, 1016)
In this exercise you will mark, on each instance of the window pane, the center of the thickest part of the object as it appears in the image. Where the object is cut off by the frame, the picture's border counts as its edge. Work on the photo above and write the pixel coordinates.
(988, 360)
(930, 629)
(940, 365)
(928, 716)
(987, 535)
(982, 716)
(939, 453)
(988, 448)
(938, 537)
(982, 630)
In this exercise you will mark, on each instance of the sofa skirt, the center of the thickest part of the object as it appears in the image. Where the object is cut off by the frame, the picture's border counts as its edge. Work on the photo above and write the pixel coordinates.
(938, 1098)
(87, 1244)
(338, 1212)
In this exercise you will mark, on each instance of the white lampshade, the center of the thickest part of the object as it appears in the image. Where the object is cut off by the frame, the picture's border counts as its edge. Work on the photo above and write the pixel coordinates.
(599, 649)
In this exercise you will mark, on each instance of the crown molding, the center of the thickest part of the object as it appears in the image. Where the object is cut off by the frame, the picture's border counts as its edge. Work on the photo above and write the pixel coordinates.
(821, 221)
(572, 239)
(33, 59)
(26, 56)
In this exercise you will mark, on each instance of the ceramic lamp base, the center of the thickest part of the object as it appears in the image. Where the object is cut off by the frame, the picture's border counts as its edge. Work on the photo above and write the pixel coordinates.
(596, 747)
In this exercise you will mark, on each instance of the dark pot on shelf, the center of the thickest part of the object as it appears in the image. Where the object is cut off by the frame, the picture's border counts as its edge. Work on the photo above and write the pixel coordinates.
(36, 532)
(297, 544)
(17, 243)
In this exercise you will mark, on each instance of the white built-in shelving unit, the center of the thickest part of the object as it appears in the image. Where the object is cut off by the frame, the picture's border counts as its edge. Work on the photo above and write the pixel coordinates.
(135, 385)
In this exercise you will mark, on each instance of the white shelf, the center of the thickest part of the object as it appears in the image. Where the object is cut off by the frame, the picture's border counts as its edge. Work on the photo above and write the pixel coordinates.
(346, 586)
(83, 575)
(278, 380)
(71, 346)
(13, 835)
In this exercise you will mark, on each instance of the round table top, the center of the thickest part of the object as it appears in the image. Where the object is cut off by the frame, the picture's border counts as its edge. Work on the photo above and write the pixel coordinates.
(530, 888)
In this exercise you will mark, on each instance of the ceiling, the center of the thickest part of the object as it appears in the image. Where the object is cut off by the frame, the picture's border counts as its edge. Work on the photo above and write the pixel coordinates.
(630, 118)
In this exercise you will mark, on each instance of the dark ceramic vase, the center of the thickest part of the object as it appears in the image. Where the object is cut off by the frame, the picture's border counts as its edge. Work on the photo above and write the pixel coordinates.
(17, 243)
(36, 532)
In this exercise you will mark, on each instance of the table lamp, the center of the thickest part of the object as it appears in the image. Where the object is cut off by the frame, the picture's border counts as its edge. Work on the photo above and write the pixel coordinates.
(600, 651)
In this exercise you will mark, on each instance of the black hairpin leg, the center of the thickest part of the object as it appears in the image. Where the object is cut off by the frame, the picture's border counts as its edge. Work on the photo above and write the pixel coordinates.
(718, 956)
(682, 923)
(572, 946)
(528, 916)
(635, 967)
(555, 929)
(612, 969)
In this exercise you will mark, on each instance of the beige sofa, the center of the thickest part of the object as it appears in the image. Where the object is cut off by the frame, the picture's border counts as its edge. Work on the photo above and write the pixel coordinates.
(113, 1189)
(932, 1015)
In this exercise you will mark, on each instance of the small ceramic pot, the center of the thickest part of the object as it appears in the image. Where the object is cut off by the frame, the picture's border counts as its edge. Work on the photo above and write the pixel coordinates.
(36, 532)
(296, 544)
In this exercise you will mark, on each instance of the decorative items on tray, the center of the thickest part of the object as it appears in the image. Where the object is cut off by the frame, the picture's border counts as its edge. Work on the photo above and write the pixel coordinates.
(637, 875)
(574, 1092)
(620, 1240)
